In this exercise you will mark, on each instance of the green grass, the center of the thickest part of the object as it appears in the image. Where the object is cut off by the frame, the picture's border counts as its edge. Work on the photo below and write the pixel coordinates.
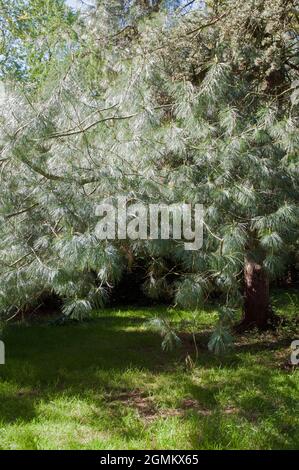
(106, 384)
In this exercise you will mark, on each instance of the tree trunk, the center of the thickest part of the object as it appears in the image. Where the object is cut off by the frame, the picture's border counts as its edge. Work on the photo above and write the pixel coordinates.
(257, 308)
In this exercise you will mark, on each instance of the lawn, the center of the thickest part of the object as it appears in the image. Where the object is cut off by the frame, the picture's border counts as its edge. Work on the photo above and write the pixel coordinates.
(106, 384)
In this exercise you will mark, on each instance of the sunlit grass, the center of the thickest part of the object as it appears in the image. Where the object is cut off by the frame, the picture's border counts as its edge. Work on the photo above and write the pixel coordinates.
(106, 384)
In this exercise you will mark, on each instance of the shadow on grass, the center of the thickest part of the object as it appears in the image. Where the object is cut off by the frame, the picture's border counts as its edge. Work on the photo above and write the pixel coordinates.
(97, 360)
(14, 408)
(261, 412)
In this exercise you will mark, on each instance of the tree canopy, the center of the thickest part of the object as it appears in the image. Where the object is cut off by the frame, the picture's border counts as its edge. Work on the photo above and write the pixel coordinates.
(34, 34)
(161, 103)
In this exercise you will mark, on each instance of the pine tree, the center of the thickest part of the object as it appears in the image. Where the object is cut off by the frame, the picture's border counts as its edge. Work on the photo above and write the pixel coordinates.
(34, 35)
(196, 105)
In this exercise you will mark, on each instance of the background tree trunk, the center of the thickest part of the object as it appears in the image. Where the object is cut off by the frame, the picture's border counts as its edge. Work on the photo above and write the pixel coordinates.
(257, 308)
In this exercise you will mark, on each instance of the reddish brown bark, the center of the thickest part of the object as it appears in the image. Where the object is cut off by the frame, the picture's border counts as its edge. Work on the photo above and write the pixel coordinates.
(257, 308)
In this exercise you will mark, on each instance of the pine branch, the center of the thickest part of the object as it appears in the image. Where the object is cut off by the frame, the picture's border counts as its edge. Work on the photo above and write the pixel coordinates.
(87, 128)
(22, 211)
(206, 25)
